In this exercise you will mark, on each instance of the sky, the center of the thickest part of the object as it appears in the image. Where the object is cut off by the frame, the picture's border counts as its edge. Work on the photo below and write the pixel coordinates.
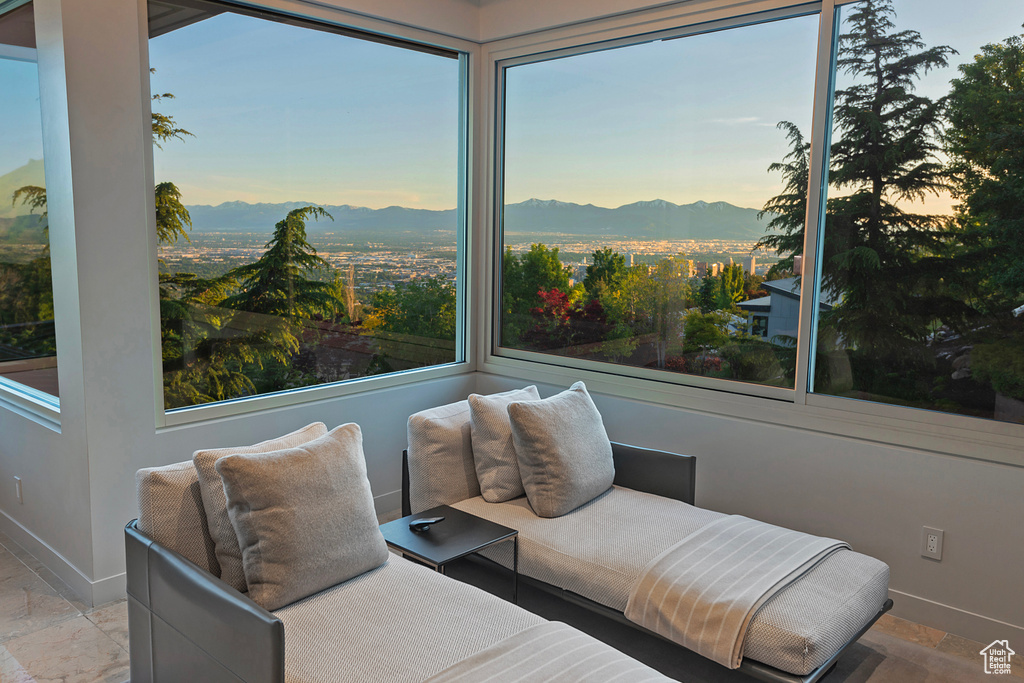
(694, 118)
(281, 113)
(21, 135)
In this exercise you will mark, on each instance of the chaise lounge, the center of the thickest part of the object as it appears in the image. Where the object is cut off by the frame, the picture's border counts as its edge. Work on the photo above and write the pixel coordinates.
(605, 549)
(309, 592)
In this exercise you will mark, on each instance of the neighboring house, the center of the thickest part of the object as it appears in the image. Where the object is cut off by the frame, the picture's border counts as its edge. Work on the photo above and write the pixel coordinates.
(778, 314)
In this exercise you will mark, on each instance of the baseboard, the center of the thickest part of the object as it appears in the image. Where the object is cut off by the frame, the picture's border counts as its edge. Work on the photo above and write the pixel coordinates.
(109, 589)
(388, 505)
(51, 559)
(952, 619)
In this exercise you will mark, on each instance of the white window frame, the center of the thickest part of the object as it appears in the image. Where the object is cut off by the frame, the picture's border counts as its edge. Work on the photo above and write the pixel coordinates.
(466, 52)
(946, 433)
(36, 405)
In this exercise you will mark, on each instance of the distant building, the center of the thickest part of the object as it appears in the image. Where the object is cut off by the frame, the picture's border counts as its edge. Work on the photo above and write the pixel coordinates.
(750, 265)
(701, 268)
(778, 314)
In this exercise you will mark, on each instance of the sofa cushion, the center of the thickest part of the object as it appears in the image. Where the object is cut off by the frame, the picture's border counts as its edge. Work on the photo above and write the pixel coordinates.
(304, 516)
(171, 512)
(399, 622)
(565, 457)
(494, 454)
(600, 549)
(441, 469)
(229, 556)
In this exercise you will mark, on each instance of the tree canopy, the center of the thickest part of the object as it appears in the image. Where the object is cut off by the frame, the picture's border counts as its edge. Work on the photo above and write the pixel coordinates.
(277, 283)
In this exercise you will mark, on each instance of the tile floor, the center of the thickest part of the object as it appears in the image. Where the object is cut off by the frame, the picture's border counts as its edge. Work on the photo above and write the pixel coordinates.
(48, 634)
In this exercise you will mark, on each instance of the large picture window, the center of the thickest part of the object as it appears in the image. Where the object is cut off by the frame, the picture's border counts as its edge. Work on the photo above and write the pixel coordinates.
(638, 186)
(922, 248)
(307, 199)
(28, 347)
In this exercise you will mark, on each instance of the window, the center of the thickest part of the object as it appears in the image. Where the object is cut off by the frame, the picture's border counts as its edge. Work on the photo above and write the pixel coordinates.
(921, 253)
(28, 347)
(308, 202)
(637, 190)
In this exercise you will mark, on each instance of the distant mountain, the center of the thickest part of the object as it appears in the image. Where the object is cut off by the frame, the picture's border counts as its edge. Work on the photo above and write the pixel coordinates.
(657, 219)
(29, 174)
(244, 217)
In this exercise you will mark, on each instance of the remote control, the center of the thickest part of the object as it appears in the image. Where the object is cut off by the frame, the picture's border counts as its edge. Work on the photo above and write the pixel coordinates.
(423, 523)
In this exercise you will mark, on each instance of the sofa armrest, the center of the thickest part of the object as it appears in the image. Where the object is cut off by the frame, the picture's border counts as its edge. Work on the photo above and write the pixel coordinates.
(659, 472)
(185, 624)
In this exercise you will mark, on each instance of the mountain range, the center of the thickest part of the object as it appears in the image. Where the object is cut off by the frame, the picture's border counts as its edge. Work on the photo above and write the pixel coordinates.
(658, 219)
(655, 220)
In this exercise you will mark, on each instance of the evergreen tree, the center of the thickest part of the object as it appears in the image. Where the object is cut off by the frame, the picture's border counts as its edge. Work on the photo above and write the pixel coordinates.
(886, 263)
(885, 260)
(277, 283)
(985, 141)
(789, 209)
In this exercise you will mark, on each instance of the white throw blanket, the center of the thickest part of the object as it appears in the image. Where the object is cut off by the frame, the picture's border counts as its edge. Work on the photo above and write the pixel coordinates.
(549, 652)
(703, 591)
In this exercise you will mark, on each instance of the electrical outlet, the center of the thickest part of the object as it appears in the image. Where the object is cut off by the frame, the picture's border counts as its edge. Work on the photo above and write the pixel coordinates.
(17, 490)
(931, 543)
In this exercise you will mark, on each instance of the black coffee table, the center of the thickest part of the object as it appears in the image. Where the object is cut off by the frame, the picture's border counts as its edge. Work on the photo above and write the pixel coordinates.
(458, 535)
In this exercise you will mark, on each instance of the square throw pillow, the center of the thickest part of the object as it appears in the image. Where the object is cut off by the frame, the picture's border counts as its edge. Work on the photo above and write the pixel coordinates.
(304, 516)
(494, 454)
(441, 470)
(565, 457)
(225, 542)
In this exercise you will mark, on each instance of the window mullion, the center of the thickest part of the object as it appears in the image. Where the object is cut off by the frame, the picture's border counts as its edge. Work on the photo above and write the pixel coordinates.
(824, 83)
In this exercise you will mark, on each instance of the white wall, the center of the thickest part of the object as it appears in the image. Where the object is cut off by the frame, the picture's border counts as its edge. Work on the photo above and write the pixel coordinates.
(875, 497)
(78, 478)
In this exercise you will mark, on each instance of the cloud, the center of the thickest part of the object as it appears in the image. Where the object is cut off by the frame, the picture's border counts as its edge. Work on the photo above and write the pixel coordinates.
(737, 121)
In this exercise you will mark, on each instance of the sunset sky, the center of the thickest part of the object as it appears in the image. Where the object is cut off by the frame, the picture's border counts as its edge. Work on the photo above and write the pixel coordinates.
(281, 113)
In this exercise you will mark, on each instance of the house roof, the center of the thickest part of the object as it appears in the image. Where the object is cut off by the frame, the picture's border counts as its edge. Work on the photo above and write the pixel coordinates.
(759, 305)
(790, 287)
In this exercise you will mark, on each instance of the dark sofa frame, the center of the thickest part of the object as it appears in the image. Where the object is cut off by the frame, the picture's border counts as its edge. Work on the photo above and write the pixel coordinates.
(184, 624)
(672, 476)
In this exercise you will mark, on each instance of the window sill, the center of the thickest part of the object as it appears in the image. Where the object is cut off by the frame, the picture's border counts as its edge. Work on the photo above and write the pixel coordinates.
(31, 404)
(934, 432)
(294, 397)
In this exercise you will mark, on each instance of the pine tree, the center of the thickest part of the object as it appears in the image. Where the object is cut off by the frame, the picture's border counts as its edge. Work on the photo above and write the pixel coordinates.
(277, 283)
(885, 260)
(886, 264)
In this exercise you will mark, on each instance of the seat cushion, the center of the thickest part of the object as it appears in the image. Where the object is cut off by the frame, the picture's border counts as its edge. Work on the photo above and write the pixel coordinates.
(399, 622)
(599, 551)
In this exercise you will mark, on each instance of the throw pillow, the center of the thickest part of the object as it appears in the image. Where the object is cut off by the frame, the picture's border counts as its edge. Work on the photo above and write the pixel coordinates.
(441, 470)
(304, 516)
(225, 542)
(563, 450)
(494, 454)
